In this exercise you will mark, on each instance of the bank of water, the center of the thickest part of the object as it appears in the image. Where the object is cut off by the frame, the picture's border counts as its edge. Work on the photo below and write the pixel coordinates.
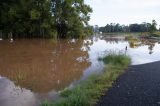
(35, 70)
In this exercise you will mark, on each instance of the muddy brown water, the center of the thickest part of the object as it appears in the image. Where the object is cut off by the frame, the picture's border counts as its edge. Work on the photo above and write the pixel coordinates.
(35, 70)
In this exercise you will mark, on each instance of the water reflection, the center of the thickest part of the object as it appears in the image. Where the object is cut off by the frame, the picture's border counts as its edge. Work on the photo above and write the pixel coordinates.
(34, 70)
(141, 50)
(143, 42)
(42, 66)
(11, 95)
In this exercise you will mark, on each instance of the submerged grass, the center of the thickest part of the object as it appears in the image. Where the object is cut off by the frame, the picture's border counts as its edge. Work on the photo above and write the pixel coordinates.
(88, 92)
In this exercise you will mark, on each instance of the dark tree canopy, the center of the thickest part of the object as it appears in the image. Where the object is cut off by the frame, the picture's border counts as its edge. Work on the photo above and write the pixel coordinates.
(112, 27)
(44, 18)
(143, 27)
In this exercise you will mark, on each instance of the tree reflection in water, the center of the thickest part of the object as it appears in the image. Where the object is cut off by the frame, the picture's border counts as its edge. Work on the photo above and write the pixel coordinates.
(42, 66)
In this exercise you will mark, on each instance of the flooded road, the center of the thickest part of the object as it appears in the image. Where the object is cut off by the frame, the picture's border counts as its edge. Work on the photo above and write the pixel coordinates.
(34, 70)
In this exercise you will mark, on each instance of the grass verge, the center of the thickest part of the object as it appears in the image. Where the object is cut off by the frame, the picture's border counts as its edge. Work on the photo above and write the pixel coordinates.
(88, 92)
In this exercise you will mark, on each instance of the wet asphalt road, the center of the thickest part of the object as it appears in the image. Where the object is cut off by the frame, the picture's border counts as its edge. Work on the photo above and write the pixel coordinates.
(139, 86)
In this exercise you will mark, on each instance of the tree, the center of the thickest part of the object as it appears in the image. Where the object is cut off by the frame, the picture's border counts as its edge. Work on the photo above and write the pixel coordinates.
(71, 16)
(153, 28)
(143, 27)
(44, 18)
(26, 18)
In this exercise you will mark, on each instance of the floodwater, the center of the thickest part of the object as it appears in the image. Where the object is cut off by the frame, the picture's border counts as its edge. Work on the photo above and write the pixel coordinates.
(35, 70)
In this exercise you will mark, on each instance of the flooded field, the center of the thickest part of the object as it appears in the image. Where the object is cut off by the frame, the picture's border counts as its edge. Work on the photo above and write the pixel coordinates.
(34, 70)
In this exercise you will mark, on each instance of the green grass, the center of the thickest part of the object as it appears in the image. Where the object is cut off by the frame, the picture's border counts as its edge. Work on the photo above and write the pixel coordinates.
(134, 35)
(88, 92)
(156, 34)
(130, 37)
(123, 33)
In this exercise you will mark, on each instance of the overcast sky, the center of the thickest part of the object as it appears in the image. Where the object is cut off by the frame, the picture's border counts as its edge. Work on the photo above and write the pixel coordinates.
(124, 11)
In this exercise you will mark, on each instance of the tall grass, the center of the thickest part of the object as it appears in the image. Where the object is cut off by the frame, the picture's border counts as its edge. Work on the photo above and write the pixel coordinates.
(88, 92)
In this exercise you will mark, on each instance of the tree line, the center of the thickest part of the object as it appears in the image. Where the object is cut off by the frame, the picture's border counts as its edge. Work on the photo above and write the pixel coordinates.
(143, 27)
(44, 18)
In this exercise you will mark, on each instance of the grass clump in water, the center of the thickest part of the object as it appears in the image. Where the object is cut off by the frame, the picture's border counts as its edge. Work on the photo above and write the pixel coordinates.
(116, 59)
(88, 92)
